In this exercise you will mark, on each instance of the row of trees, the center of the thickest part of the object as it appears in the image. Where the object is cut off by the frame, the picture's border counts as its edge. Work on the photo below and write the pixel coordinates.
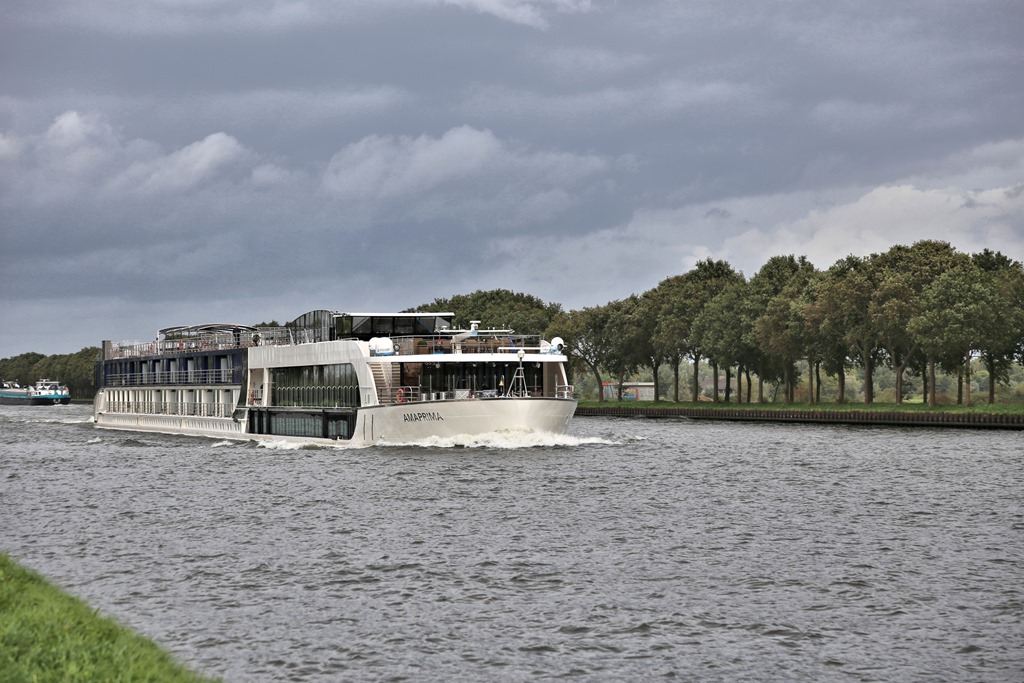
(921, 309)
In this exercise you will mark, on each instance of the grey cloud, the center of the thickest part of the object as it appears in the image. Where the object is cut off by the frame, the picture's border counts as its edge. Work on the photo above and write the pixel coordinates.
(183, 17)
(466, 174)
(617, 106)
(250, 160)
(584, 64)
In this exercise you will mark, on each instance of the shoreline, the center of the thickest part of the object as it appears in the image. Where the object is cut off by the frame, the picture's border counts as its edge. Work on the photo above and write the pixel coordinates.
(898, 418)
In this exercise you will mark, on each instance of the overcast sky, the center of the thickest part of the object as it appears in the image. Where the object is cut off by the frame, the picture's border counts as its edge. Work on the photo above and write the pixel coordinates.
(170, 162)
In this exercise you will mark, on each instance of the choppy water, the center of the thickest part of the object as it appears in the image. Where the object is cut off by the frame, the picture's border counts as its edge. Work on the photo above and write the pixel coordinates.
(630, 550)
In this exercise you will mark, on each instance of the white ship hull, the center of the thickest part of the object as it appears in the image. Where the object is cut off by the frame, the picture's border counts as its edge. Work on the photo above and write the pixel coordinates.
(410, 422)
(401, 423)
(173, 424)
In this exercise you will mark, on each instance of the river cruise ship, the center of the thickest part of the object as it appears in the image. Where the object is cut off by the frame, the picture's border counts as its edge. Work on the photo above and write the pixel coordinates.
(331, 377)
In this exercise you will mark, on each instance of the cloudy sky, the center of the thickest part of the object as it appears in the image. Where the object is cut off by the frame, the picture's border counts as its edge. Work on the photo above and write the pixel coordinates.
(167, 162)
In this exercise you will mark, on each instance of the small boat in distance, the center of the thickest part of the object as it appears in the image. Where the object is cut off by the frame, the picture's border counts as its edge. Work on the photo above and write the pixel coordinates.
(330, 377)
(45, 392)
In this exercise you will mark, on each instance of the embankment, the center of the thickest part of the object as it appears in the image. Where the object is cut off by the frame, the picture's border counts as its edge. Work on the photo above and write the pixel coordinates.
(902, 418)
(48, 636)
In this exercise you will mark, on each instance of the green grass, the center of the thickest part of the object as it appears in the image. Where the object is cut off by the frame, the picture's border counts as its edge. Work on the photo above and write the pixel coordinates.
(998, 408)
(47, 635)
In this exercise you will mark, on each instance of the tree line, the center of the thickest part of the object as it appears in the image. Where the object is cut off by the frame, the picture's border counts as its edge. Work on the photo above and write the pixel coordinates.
(919, 309)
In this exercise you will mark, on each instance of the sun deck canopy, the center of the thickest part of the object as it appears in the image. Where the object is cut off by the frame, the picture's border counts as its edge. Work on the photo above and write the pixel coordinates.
(188, 331)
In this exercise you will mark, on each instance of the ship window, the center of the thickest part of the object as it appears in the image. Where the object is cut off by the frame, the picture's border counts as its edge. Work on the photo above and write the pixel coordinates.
(361, 325)
(383, 326)
(405, 325)
(290, 422)
(328, 386)
(429, 324)
(298, 425)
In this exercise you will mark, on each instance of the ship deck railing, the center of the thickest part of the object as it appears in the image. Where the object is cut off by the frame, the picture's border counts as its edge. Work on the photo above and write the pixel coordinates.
(201, 343)
(175, 377)
(480, 343)
(170, 408)
(483, 342)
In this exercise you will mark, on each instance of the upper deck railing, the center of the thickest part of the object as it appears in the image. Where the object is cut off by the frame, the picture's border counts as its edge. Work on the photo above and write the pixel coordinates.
(484, 341)
(480, 343)
(271, 336)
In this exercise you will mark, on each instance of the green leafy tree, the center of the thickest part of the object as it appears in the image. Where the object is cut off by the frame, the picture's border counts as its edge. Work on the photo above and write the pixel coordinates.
(644, 326)
(589, 339)
(779, 289)
(670, 330)
(843, 297)
(903, 274)
(524, 313)
(625, 349)
(1003, 340)
(827, 344)
(682, 298)
(955, 309)
(20, 368)
(723, 327)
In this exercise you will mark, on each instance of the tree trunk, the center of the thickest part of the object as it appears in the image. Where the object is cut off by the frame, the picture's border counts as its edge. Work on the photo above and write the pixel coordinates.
(728, 383)
(675, 375)
(960, 385)
(869, 379)
(817, 381)
(991, 363)
(600, 385)
(810, 381)
(842, 386)
(898, 368)
(748, 384)
(696, 383)
(786, 382)
(931, 382)
(967, 380)
(714, 389)
(657, 391)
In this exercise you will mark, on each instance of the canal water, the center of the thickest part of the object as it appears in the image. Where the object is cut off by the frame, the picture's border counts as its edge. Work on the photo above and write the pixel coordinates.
(631, 549)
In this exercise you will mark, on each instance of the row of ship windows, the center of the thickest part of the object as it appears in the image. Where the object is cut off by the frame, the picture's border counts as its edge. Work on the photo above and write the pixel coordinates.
(208, 403)
(329, 386)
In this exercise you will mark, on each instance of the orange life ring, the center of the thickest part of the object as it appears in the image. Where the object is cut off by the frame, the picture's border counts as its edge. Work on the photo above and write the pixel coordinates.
(400, 396)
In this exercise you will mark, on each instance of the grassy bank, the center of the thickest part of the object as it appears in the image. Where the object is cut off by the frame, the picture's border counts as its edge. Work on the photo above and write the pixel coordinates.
(47, 635)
